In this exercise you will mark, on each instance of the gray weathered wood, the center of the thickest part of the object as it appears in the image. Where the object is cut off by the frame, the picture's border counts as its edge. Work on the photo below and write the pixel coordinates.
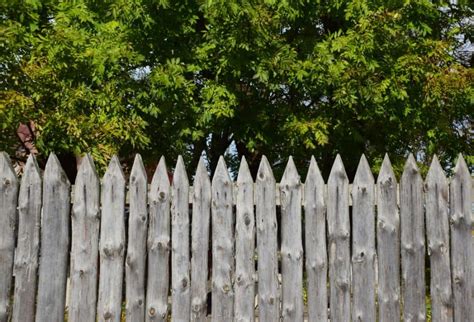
(462, 254)
(315, 241)
(363, 244)
(135, 262)
(180, 254)
(26, 256)
(244, 286)
(388, 244)
(267, 247)
(85, 224)
(54, 243)
(8, 202)
(412, 242)
(112, 243)
(222, 245)
(437, 233)
(159, 242)
(339, 237)
(200, 242)
(291, 244)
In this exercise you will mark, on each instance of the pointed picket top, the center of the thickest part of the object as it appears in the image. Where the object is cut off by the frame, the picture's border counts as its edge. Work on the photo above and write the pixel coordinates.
(363, 173)
(386, 171)
(54, 170)
(138, 169)
(6, 169)
(31, 172)
(338, 170)
(180, 176)
(314, 174)
(87, 168)
(410, 168)
(265, 172)
(290, 175)
(160, 177)
(221, 173)
(436, 173)
(114, 170)
(461, 168)
(244, 175)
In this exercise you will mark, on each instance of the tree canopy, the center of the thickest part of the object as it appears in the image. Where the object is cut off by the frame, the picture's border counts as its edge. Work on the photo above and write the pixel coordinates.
(247, 77)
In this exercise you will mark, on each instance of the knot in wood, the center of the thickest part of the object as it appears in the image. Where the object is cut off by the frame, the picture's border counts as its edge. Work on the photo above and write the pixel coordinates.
(226, 289)
(184, 282)
(81, 273)
(143, 218)
(151, 311)
(247, 220)
(107, 315)
(162, 195)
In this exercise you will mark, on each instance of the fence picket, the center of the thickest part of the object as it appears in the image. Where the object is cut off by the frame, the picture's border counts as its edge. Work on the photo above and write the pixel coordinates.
(8, 203)
(339, 236)
(222, 245)
(291, 244)
(54, 243)
(437, 233)
(85, 224)
(315, 242)
(267, 244)
(412, 242)
(462, 254)
(200, 242)
(363, 244)
(136, 251)
(159, 241)
(180, 252)
(388, 244)
(244, 247)
(112, 243)
(27, 252)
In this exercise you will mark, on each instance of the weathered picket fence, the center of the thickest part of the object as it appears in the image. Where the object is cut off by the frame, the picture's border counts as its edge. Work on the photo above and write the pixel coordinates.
(371, 268)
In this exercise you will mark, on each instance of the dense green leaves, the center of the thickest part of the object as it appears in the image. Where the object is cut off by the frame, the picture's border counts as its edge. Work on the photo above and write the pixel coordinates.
(261, 77)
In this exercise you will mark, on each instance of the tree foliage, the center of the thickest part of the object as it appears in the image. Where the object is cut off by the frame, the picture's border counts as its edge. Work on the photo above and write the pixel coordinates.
(246, 77)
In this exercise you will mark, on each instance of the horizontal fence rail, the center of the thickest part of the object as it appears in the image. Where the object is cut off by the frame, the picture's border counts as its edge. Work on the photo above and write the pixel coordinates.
(118, 249)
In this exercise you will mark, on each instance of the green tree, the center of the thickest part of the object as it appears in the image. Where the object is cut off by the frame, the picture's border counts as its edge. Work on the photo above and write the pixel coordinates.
(263, 77)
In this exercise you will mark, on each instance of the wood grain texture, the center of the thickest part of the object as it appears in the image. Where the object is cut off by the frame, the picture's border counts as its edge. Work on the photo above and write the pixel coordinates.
(54, 243)
(112, 243)
(8, 203)
(135, 262)
(462, 254)
(222, 245)
(339, 237)
(158, 244)
(200, 242)
(291, 244)
(315, 242)
(412, 242)
(363, 244)
(85, 227)
(267, 244)
(244, 286)
(388, 244)
(180, 247)
(27, 252)
(437, 233)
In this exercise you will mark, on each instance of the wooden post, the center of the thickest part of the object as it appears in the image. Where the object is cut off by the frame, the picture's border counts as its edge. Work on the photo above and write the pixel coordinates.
(388, 244)
(8, 202)
(462, 254)
(412, 242)
(339, 237)
(200, 242)
(159, 241)
(54, 243)
(437, 233)
(85, 243)
(363, 244)
(244, 305)
(112, 243)
(268, 297)
(315, 241)
(26, 257)
(135, 262)
(180, 255)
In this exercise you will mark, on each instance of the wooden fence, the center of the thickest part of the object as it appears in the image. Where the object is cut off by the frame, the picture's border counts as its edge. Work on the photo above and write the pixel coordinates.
(313, 255)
